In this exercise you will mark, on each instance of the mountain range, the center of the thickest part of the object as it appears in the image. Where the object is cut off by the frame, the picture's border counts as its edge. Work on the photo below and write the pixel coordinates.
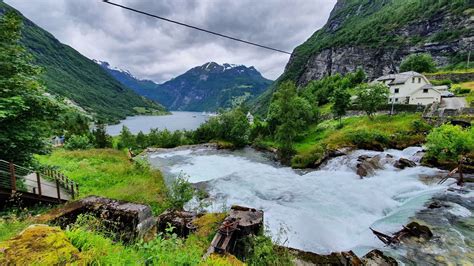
(69, 74)
(203, 88)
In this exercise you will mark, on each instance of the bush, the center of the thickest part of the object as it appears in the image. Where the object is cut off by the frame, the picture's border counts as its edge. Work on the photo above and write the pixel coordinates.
(449, 143)
(421, 63)
(308, 159)
(78, 142)
(264, 252)
(180, 192)
(370, 140)
(457, 89)
(446, 82)
(420, 126)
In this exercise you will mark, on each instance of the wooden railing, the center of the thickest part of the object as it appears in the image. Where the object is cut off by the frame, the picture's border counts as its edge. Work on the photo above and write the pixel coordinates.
(48, 183)
(63, 181)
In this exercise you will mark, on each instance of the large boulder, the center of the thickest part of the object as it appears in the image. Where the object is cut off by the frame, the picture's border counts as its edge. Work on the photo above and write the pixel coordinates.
(126, 220)
(39, 245)
(403, 163)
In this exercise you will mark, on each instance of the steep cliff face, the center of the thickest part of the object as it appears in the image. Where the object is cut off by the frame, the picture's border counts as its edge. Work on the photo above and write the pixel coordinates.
(376, 35)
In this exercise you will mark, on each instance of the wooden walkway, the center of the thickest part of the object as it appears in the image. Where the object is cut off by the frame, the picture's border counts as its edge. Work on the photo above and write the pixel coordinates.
(48, 186)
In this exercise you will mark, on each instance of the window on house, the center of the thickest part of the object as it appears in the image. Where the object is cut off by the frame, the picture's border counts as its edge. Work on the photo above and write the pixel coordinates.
(425, 90)
(390, 100)
(396, 99)
(419, 80)
(413, 80)
(396, 90)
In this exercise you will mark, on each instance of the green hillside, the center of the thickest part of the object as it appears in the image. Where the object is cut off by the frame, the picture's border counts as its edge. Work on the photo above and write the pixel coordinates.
(72, 75)
(375, 24)
(376, 35)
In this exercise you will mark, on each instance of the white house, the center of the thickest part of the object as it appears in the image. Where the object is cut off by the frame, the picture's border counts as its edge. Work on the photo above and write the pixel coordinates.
(250, 118)
(411, 88)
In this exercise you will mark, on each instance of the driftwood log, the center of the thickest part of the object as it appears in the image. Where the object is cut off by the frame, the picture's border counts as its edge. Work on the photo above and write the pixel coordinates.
(412, 229)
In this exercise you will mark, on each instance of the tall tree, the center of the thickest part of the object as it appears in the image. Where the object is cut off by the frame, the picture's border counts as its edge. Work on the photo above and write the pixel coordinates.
(288, 114)
(25, 110)
(371, 97)
(101, 138)
(341, 101)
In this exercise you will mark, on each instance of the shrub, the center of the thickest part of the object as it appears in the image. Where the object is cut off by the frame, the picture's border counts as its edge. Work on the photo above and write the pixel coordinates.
(180, 192)
(418, 62)
(78, 142)
(448, 142)
(264, 252)
(457, 89)
(420, 126)
(371, 140)
(446, 82)
(309, 158)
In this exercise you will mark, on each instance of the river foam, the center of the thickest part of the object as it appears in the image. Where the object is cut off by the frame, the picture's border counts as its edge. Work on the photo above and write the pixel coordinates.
(321, 211)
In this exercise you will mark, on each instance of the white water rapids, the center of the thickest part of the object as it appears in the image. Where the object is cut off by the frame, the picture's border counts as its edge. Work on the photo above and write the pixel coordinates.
(327, 210)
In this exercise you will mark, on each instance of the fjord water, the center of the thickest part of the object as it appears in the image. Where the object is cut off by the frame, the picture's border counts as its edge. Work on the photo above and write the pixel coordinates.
(327, 210)
(175, 121)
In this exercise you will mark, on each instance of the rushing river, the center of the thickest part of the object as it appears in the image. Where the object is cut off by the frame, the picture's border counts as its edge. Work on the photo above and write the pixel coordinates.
(322, 211)
(174, 121)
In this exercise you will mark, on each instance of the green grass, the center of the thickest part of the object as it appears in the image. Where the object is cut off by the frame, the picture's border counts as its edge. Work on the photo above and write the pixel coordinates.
(470, 95)
(12, 226)
(109, 173)
(383, 131)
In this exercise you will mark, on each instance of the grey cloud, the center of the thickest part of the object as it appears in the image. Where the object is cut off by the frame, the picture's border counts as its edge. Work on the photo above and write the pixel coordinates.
(158, 50)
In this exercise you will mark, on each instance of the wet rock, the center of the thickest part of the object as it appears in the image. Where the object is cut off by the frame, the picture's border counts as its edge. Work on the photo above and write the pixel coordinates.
(417, 230)
(39, 244)
(339, 152)
(181, 221)
(126, 220)
(377, 258)
(306, 258)
(367, 165)
(403, 163)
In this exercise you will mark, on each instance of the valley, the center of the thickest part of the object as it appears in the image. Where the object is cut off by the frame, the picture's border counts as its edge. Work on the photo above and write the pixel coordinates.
(358, 150)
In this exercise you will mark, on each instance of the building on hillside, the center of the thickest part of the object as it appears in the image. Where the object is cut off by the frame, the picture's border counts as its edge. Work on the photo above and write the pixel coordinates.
(411, 88)
(250, 118)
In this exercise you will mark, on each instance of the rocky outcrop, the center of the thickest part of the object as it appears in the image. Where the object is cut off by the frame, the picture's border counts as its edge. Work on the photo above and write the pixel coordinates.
(126, 220)
(377, 258)
(423, 34)
(368, 165)
(403, 163)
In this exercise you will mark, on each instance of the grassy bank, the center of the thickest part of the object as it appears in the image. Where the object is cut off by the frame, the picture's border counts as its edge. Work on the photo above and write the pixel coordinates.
(109, 173)
(383, 131)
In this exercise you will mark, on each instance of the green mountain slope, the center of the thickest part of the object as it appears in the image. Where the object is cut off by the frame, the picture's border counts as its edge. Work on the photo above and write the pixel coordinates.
(377, 34)
(68, 73)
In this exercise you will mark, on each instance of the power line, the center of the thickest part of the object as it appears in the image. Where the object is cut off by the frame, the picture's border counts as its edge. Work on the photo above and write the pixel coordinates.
(196, 28)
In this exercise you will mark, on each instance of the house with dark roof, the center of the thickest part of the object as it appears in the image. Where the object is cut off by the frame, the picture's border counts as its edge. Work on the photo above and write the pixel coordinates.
(411, 88)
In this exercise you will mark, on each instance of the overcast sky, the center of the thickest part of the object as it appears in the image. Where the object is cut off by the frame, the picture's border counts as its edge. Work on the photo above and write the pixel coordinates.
(157, 50)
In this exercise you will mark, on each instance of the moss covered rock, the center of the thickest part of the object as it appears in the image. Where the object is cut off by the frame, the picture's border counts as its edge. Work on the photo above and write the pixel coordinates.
(39, 245)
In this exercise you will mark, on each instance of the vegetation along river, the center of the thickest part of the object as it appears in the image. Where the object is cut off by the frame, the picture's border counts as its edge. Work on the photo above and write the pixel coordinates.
(330, 209)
